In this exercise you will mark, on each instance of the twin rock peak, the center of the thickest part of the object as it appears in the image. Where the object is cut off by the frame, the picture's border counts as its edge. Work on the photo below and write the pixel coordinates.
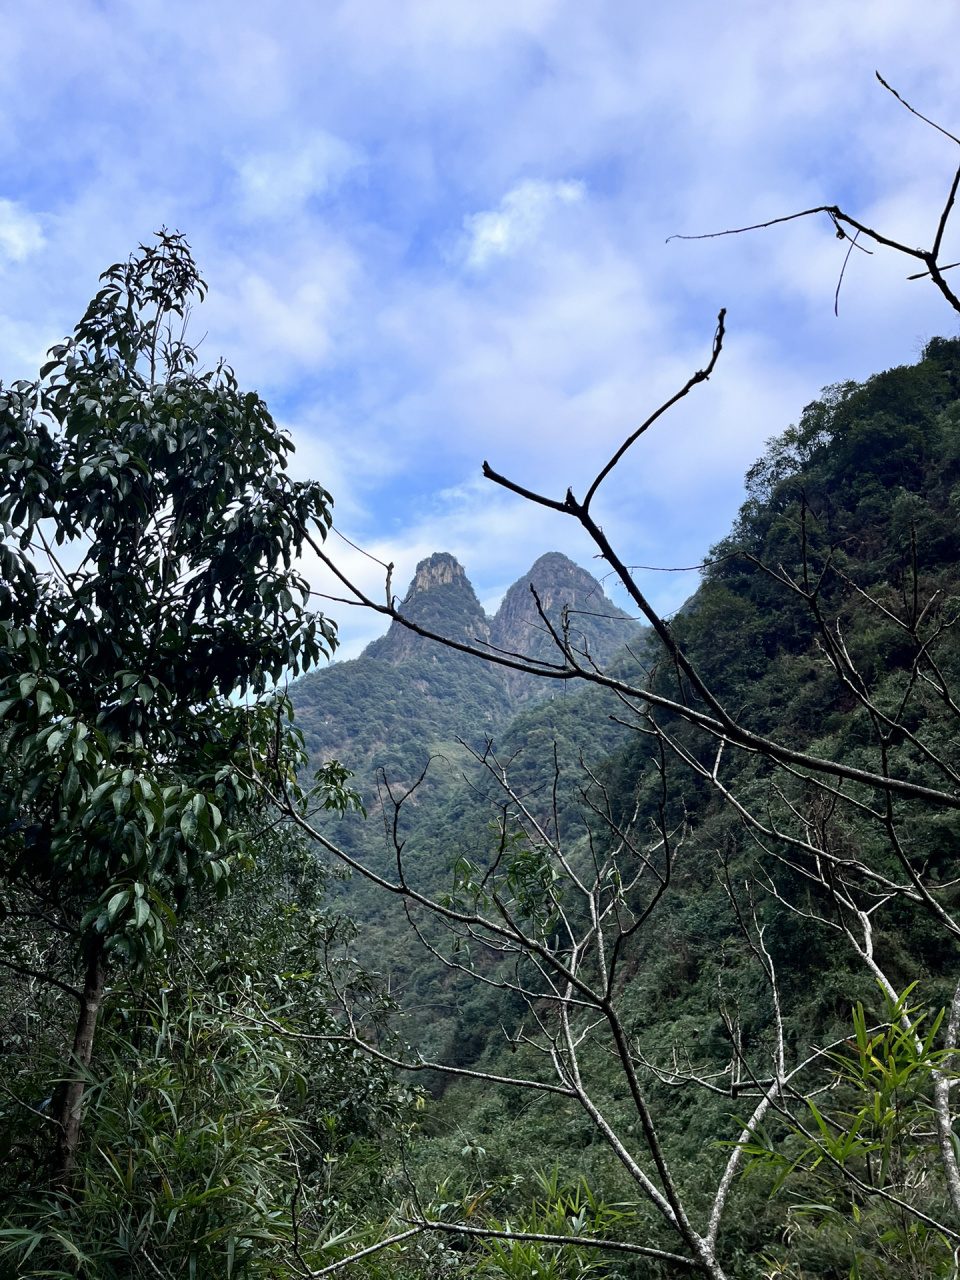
(441, 599)
(405, 697)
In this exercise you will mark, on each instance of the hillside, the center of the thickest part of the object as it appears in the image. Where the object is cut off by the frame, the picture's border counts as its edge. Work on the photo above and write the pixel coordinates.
(870, 478)
(863, 495)
(403, 706)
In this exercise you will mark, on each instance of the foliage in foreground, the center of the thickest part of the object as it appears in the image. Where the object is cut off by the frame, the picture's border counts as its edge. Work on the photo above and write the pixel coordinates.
(148, 608)
(210, 1145)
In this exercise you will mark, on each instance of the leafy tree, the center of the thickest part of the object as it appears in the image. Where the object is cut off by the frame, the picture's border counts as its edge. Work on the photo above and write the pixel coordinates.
(149, 606)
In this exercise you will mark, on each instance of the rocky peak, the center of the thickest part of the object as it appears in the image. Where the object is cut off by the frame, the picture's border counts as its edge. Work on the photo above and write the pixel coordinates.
(441, 599)
(596, 624)
(439, 570)
(557, 581)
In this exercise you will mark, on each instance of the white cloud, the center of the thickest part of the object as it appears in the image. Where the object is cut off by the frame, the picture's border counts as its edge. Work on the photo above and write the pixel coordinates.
(400, 370)
(278, 183)
(279, 309)
(502, 232)
(20, 233)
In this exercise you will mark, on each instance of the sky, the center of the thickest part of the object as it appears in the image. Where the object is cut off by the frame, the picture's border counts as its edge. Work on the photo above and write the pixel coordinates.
(435, 232)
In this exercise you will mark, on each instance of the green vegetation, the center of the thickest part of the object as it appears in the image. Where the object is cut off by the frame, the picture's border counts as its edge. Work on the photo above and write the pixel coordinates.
(406, 698)
(407, 706)
(653, 971)
(149, 600)
(772, 876)
(210, 1145)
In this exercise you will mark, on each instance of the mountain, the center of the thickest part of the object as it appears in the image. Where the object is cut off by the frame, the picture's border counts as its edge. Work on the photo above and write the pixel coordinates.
(861, 498)
(863, 495)
(441, 599)
(406, 697)
(595, 625)
(405, 707)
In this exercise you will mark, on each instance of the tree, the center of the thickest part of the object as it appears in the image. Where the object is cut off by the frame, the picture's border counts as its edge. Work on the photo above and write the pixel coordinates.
(844, 828)
(149, 607)
(211, 1147)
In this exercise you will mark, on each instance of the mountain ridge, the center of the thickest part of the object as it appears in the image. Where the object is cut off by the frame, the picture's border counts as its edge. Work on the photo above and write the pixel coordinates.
(406, 713)
(439, 595)
(403, 695)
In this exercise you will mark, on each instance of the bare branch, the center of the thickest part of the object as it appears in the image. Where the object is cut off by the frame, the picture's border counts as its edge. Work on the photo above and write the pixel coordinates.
(592, 1242)
(694, 380)
(915, 112)
(941, 1100)
(26, 972)
(371, 1249)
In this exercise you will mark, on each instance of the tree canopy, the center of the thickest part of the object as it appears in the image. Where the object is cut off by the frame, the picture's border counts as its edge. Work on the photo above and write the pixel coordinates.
(150, 604)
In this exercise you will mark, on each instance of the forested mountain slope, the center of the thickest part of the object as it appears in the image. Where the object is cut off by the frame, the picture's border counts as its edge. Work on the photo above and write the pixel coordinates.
(406, 702)
(403, 706)
(877, 470)
(404, 696)
(860, 501)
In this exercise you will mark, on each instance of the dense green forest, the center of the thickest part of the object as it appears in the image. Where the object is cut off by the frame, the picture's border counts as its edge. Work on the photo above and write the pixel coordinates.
(862, 496)
(629, 947)
(868, 481)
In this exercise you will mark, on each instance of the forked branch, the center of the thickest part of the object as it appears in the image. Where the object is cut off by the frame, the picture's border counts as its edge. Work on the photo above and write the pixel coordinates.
(844, 223)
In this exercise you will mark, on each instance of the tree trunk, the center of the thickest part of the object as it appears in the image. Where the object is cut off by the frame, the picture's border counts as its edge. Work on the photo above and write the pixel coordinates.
(70, 1094)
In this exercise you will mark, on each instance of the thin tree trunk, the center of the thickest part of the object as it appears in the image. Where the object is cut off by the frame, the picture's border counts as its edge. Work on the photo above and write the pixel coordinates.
(70, 1094)
(942, 1109)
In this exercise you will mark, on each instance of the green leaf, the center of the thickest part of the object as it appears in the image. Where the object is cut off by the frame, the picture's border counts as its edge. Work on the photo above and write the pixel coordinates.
(71, 782)
(117, 903)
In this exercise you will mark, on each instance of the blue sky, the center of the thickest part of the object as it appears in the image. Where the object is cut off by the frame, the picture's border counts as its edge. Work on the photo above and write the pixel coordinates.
(435, 231)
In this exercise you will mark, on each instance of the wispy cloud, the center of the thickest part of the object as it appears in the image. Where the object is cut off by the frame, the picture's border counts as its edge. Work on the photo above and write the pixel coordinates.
(20, 233)
(517, 221)
(278, 183)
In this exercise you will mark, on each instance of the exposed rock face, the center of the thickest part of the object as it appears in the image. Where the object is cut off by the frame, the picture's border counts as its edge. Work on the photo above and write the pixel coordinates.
(439, 570)
(440, 599)
(596, 626)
